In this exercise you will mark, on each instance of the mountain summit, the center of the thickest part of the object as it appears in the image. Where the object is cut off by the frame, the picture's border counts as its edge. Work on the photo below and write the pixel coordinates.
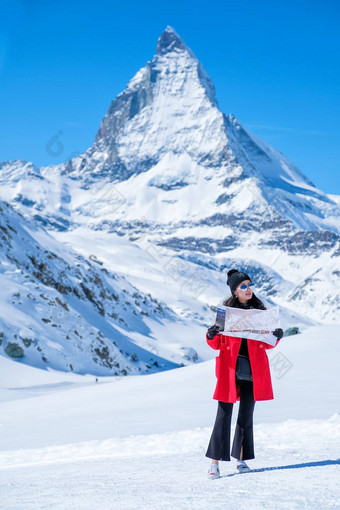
(156, 113)
(169, 41)
(169, 111)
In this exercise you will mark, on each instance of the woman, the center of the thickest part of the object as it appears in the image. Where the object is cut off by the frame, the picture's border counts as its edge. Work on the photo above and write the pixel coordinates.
(229, 389)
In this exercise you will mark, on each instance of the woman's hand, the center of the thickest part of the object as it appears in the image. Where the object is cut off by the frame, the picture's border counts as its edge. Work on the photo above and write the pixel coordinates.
(213, 331)
(278, 333)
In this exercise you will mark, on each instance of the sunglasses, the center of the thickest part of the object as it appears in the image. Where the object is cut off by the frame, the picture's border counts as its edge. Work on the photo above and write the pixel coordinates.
(245, 287)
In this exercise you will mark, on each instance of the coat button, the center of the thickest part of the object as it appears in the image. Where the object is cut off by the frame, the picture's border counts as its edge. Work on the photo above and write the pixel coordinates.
(261, 345)
(228, 347)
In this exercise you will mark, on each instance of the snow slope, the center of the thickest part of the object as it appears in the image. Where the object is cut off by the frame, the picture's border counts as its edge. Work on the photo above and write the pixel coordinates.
(63, 311)
(139, 442)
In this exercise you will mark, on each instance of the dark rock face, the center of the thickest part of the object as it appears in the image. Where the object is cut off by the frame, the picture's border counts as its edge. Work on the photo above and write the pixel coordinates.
(337, 251)
(304, 242)
(170, 41)
(200, 244)
(169, 187)
(126, 105)
(13, 350)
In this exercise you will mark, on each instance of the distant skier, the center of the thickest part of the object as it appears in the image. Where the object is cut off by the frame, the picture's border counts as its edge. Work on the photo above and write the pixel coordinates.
(254, 386)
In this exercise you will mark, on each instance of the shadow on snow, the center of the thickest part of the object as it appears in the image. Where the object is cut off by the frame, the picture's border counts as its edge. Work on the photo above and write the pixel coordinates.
(319, 463)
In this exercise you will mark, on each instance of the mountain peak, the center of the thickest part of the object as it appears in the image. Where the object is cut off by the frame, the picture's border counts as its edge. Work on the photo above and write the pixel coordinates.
(169, 41)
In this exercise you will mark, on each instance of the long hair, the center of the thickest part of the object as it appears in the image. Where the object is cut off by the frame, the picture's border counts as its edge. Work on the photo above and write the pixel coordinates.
(253, 302)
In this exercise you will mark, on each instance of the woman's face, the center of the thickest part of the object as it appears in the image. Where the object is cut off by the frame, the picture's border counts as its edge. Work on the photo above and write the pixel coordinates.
(243, 295)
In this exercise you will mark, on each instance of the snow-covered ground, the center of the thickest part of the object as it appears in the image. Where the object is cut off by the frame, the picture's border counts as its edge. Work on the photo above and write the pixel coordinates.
(68, 441)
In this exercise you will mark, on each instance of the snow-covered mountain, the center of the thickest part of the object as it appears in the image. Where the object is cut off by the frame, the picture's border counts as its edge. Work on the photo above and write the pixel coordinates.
(168, 121)
(167, 124)
(173, 192)
(63, 311)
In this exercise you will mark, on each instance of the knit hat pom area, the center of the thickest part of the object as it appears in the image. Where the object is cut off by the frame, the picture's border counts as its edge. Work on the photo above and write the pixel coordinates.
(236, 277)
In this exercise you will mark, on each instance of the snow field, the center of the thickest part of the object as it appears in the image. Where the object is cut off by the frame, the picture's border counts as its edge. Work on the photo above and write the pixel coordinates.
(140, 441)
(167, 470)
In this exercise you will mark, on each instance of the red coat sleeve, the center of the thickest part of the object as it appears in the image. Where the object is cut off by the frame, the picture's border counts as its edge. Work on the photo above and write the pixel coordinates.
(268, 346)
(214, 343)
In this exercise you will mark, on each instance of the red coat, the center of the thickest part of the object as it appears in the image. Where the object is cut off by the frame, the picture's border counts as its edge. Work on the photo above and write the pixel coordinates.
(229, 347)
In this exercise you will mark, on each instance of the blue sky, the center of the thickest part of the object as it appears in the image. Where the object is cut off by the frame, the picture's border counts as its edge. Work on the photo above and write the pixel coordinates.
(275, 66)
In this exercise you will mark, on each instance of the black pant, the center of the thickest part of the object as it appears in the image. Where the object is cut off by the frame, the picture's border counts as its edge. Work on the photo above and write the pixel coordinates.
(219, 445)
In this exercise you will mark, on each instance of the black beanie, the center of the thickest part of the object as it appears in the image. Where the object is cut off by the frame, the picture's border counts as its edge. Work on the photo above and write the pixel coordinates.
(235, 278)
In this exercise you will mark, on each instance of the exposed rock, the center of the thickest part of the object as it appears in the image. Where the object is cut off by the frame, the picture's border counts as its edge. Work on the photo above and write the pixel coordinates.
(14, 350)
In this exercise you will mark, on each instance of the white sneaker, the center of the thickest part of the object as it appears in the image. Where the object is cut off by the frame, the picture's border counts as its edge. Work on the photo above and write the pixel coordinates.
(214, 472)
(242, 467)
